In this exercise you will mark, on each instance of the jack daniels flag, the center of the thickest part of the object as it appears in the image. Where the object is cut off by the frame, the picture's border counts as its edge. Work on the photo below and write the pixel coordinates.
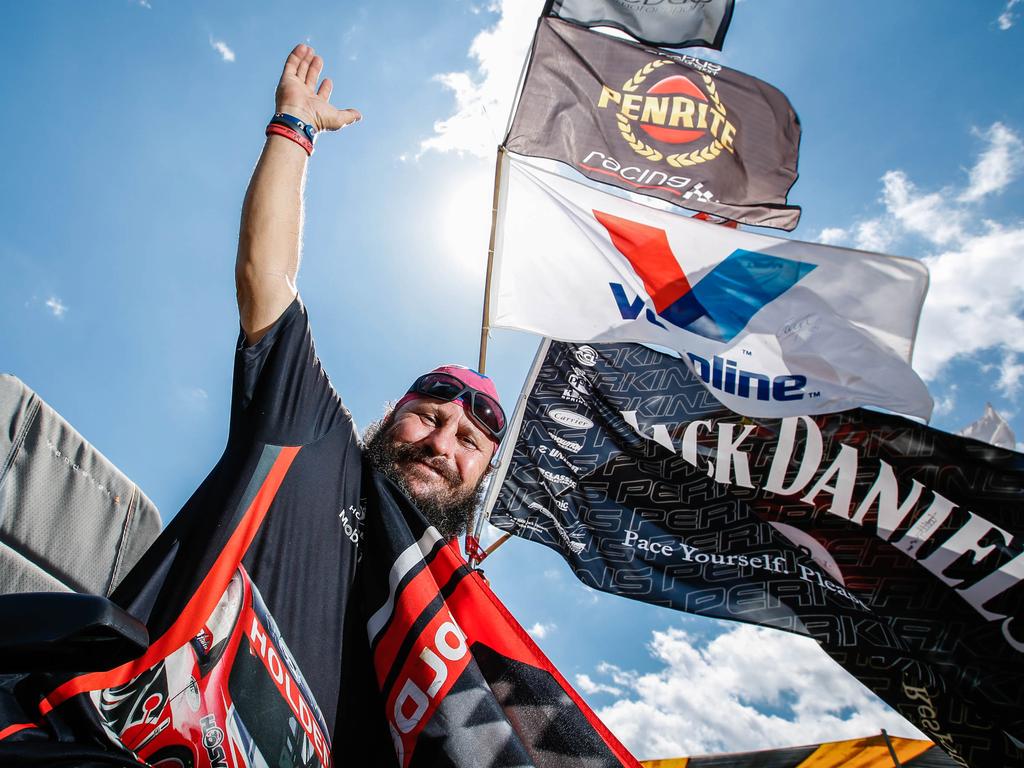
(662, 23)
(897, 547)
(658, 123)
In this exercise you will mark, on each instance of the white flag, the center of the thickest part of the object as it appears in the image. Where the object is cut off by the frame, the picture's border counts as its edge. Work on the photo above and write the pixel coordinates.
(773, 327)
(991, 428)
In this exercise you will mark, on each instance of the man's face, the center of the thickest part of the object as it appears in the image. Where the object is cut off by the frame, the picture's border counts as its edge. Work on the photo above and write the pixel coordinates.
(438, 454)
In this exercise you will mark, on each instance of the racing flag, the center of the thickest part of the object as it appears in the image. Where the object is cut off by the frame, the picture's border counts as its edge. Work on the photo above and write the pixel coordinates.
(694, 133)
(662, 23)
(772, 327)
(463, 683)
(897, 547)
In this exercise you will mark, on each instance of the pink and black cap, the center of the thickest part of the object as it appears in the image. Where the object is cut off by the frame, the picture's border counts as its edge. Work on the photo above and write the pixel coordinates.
(474, 391)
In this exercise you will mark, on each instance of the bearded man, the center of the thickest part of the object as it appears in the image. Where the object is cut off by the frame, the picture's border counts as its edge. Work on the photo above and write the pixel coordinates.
(438, 441)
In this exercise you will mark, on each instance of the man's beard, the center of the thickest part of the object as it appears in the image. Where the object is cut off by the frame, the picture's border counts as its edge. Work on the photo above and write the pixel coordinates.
(447, 509)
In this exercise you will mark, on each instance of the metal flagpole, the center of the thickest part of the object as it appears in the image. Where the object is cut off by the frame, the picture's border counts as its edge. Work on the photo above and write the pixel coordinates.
(473, 551)
(485, 322)
(505, 458)
(892, 752)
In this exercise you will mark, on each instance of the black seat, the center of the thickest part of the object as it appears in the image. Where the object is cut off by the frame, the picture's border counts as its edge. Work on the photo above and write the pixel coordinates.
(66, 632)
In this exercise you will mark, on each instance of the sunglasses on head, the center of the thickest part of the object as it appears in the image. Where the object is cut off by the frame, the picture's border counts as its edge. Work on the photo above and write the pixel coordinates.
(482, 407)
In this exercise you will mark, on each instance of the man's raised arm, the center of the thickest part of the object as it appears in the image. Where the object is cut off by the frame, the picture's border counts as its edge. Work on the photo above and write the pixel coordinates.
(269, 239)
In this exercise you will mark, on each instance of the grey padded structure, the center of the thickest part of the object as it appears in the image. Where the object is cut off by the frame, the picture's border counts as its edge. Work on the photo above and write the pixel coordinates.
(69, 519)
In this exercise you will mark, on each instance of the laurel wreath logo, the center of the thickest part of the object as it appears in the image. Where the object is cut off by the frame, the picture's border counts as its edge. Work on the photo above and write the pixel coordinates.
(642, 148)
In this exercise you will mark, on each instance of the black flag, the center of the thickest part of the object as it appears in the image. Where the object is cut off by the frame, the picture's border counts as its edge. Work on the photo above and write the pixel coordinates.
(663, 23)
(654, 122)
(899, 548)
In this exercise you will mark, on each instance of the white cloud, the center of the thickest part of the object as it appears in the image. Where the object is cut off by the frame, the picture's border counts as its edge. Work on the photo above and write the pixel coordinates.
(1007, 17)
(712, 696)
(1011, 375)
(944, 405)
(975, 299)
(977, 286)
(56, 306)
(193, 398)
(586, 684)
(867, 235)
(539, 631)
(222, 48)
(833, 236)
(483, 97)
(998, 165)
(930, 215)
(145, 3)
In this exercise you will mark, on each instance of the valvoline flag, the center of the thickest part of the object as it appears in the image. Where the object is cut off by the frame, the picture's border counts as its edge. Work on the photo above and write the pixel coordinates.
(772, 327)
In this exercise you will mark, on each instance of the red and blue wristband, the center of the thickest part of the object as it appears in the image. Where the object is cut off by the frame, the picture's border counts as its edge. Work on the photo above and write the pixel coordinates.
(291, 127)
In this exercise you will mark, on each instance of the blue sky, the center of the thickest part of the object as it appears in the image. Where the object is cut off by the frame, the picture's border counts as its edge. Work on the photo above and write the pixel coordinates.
(131, 128)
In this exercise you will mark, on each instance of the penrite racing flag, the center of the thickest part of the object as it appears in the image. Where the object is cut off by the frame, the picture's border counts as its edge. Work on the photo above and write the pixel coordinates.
(661, 23)
(688, 131)
(773, 327)
(899, 548)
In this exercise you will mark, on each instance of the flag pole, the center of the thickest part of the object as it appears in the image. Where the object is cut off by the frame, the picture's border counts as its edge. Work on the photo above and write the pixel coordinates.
(892, 752)
(473, 551)
(485, 322)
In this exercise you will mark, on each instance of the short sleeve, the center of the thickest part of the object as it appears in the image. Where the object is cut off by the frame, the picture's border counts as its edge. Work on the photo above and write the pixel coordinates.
(280, 393)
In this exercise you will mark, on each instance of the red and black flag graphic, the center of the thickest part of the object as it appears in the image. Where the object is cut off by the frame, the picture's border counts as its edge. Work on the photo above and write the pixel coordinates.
(662, 23)
(669, 125)
(463, 683)
(899, 548)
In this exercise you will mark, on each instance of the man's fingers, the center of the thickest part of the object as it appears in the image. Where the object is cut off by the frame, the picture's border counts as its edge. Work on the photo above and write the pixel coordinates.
(315, 68)
(324, 92)
(291, 64)
(307, 59)
(349, 116)
(339, 118)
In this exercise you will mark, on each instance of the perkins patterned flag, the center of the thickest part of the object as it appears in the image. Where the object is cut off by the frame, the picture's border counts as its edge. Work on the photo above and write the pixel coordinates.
(899, 548)
(773, 327)
(669, 125)
(663, 23)
(302, 612)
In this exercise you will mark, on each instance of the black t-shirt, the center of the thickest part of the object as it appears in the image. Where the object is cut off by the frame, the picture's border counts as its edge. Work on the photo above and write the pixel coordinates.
(304, 561)
(291, 441)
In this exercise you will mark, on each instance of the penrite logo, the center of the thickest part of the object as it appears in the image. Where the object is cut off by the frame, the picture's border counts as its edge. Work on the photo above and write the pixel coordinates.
(718, 306)
(673, 113)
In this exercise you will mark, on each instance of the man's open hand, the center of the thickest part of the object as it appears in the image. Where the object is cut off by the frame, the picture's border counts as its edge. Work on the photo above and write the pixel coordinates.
(298, 95)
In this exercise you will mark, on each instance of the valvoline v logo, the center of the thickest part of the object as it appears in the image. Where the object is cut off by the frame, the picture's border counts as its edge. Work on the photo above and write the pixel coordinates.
(720, 305)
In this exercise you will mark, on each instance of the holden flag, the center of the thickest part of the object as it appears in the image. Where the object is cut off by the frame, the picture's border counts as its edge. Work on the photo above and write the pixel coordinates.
(772, 327)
